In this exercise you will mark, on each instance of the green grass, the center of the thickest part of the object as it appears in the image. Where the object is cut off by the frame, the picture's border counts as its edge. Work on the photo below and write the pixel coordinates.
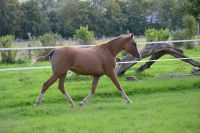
(157, 112)
(160, 105)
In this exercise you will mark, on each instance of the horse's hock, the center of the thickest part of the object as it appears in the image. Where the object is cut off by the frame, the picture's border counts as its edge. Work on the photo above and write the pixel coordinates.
(155, 51)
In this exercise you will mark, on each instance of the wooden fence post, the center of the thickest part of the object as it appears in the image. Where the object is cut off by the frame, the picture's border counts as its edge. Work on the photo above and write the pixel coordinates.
(29, 45)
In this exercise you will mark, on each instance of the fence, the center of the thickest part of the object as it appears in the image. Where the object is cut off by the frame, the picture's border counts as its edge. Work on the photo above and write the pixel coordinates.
(139, 43)
(126, 62)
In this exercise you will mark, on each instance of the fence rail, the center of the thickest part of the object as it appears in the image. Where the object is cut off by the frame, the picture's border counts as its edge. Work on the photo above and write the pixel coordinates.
(139, 43)
(125, 62)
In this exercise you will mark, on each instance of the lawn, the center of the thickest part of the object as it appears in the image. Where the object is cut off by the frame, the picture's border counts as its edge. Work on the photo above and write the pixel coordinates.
(160, 105)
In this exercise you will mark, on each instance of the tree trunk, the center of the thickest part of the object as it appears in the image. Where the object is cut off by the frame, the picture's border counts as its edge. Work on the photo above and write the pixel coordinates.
(155, 51)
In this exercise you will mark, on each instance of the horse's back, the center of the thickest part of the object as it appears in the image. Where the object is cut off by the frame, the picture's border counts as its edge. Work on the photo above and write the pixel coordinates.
(87, 61)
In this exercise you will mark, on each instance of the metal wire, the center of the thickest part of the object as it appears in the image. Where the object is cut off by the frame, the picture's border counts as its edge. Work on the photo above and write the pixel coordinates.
(126, 62)
(139, 43)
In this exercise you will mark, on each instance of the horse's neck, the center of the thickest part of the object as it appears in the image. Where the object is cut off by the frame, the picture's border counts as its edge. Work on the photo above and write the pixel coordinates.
(115, 46)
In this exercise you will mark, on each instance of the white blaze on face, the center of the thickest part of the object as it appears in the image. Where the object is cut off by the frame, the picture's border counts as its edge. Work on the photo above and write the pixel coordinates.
(138, 51)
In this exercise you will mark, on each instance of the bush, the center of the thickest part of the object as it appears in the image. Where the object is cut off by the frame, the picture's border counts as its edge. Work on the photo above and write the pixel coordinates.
(84, 35)
(178, 35)
(49, 39)
(6, 42)
(190, 26)
(157, 35)
(188, 32)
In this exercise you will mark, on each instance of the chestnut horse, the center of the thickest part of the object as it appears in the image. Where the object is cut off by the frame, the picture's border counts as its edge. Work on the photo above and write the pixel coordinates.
(96, 61)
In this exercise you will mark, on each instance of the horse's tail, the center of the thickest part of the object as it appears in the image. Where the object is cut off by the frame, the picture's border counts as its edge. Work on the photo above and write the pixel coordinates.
(46, 56)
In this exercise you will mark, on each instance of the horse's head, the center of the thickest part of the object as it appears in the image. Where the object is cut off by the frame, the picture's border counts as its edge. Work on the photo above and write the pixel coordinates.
(131, 47)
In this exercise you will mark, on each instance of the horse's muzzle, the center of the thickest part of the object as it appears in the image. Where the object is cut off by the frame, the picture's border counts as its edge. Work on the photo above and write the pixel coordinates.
(138, 56)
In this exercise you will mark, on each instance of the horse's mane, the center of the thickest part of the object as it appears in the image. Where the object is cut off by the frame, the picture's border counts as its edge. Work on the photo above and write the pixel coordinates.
(115, 39)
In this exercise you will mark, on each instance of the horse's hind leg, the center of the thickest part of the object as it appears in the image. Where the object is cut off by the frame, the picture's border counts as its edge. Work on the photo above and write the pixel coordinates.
(46, 85)
(113, 77)
(62, 89)
(94, 86)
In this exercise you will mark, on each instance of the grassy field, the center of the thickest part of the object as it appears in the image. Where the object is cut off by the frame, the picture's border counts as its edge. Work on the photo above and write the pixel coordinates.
(160, 105)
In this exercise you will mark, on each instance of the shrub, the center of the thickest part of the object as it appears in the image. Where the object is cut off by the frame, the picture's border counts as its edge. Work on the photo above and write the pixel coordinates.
(6, 42)
(190, 26)
(188, 32)
(49, 39)
(84, 35)
(178, 35)
(157, 35)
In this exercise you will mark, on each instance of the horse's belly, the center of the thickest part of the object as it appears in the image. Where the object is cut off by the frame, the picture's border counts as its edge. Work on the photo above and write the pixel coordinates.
(87, 70)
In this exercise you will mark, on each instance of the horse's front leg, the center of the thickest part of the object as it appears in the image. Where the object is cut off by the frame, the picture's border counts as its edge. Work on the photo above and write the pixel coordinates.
(93, 88)
(113, 77)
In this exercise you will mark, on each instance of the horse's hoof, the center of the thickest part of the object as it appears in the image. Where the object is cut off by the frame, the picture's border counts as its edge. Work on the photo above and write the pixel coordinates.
(72, 105)
(129, 102)
(81, 104)
(35, 105)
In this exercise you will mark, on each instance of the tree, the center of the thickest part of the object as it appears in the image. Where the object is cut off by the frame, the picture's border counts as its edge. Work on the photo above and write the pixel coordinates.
(116, 19)
(135, 12)
(106, 17)
(72, 16)
(160, 14)
(191, 7)
(34, 19)
(10, 15)
(96, 17)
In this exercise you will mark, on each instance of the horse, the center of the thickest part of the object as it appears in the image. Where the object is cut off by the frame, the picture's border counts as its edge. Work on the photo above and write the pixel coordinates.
(96, 61)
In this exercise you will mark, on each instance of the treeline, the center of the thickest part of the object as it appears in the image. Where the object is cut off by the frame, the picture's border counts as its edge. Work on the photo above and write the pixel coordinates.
(103, 17)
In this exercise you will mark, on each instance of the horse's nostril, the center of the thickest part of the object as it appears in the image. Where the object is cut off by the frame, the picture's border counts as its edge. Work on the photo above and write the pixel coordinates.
(138, 56)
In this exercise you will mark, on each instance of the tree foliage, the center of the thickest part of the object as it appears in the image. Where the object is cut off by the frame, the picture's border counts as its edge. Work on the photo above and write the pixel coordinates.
(191, 7)
(71, 16)
(9, 17)
(104, 17)
(34, 20)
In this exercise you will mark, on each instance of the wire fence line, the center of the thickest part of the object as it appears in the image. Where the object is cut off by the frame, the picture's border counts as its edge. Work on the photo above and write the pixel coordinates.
(24, 68)
(125, 62)
(121, 62)
(130, 62)
(139, 43)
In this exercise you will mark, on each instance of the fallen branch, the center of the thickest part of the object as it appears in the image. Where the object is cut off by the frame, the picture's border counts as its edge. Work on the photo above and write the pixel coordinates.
(155, 51)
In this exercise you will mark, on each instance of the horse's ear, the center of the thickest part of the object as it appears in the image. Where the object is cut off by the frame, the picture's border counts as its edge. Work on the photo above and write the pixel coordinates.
(132, 36)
